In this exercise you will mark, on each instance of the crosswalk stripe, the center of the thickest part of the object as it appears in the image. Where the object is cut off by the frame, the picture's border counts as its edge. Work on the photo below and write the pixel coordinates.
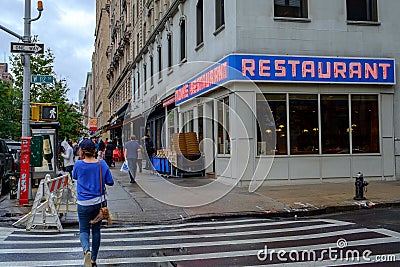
(199, 244)
(215, 224)
(269, 231)
(124, 231)
(178, 225)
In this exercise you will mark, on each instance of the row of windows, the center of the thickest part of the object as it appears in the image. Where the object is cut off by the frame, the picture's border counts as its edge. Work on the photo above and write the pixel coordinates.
(219, 24)
(317, 124)
(357, 10)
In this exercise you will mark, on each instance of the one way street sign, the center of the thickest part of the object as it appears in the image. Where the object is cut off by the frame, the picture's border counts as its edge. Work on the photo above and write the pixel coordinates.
(27, 48)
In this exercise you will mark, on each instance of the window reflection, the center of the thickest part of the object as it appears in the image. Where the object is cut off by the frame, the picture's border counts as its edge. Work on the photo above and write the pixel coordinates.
(365, 123)
(335, 124)
(303, 124)
(267, 125)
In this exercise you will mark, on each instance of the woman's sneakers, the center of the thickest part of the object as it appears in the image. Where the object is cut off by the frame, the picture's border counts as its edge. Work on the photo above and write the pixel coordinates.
(87, 259)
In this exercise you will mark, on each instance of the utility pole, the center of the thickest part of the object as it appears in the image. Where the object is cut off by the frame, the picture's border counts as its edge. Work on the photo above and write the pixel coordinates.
(26, 62)
(26, 96)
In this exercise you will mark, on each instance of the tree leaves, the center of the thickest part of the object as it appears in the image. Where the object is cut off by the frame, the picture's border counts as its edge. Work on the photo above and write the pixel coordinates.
(69, 115)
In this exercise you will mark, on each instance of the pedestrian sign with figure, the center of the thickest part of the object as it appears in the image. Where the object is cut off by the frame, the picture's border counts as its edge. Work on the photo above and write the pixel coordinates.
(49, 113)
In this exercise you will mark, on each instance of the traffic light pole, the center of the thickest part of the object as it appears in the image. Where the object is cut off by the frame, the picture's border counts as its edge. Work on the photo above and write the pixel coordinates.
(26, 62)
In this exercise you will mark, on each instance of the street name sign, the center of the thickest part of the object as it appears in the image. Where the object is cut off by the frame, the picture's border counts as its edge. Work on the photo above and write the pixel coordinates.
(27, 48)
(42, 79)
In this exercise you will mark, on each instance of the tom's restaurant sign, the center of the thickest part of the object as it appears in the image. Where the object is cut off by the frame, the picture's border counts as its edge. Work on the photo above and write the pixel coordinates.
(298, 69)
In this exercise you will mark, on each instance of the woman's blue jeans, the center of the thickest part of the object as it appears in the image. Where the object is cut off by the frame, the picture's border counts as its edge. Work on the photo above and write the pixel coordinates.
(85, 214)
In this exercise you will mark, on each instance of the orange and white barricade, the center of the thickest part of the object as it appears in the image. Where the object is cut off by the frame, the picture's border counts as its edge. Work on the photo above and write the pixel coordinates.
(55, 196)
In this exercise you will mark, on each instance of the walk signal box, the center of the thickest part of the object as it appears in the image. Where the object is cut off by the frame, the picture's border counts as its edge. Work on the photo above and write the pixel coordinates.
(44, 112)
(49, 113)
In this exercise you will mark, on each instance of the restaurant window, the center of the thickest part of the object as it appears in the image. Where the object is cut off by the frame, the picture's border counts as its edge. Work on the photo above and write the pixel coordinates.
(362, 10)
(199, 23)
(224, 143)
(188, 121)
(291, 8)
(303, 122)
(219, 14)
(272, 123)
(335, 124)
(365, 123)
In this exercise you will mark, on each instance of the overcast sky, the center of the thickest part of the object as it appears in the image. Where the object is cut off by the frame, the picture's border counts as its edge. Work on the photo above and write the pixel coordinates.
(66, 27)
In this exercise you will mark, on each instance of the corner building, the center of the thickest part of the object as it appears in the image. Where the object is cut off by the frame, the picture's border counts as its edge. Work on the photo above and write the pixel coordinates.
(326, 69)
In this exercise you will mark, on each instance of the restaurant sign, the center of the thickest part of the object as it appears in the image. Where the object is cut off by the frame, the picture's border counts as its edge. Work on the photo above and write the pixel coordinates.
(288, 69)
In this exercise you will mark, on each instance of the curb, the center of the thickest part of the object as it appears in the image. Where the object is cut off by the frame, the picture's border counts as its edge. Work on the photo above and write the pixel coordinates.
(10, 217)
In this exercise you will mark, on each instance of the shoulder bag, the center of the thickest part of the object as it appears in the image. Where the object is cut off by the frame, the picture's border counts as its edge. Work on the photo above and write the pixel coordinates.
(104, 213)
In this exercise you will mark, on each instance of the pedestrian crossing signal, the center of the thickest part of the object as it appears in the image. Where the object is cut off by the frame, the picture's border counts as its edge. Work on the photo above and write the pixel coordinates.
(49, 113)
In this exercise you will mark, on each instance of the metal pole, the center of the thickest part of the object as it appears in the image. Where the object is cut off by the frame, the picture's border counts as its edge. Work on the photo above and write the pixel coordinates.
(27, 71)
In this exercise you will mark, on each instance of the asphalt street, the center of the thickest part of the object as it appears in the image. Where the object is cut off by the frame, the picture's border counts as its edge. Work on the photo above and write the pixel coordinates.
(333, 240)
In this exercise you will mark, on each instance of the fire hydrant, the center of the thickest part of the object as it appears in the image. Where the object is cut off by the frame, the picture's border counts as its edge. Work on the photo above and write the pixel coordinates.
(360, 184)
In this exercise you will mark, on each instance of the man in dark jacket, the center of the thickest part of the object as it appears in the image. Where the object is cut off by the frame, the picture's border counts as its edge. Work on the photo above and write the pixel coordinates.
(148, 143)
(108, 154)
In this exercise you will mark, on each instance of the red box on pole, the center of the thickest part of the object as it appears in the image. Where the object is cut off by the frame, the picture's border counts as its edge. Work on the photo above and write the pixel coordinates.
(25, 166)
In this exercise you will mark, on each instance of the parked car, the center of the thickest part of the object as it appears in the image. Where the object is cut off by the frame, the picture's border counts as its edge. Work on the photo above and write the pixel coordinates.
(6, 166)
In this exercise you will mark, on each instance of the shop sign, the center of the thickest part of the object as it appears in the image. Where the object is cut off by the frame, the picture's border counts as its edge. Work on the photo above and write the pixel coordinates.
(93, 124)
(299, 69)
(212, 77)
(168, 101)
(313, 69)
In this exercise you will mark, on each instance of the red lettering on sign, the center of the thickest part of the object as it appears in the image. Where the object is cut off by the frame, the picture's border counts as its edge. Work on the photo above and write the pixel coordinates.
(339, 68)
(373, 71)
(248, 65)
(294, 64)
(384, 67)
(280, 71)
(308, 67)
(321, 74)
(264, 68)
(355, 69)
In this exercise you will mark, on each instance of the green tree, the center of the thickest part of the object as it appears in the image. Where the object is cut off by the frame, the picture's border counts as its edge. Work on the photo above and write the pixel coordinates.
(10, 116)
(55, 93)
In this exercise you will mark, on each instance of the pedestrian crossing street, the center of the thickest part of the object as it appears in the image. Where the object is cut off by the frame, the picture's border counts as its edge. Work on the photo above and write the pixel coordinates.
(231, 242)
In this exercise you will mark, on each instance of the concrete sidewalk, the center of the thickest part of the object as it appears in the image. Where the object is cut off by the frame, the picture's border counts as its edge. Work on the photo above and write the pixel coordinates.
(129, 204)
(286, 200)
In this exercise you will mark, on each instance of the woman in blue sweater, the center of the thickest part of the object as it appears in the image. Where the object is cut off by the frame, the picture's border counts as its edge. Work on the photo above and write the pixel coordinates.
(87, 173)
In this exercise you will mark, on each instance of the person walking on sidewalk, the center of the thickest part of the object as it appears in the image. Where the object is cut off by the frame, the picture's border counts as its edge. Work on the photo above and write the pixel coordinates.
(148, 144)
(131, 156)
(87, 173)
(108, 154)
(68, 157)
